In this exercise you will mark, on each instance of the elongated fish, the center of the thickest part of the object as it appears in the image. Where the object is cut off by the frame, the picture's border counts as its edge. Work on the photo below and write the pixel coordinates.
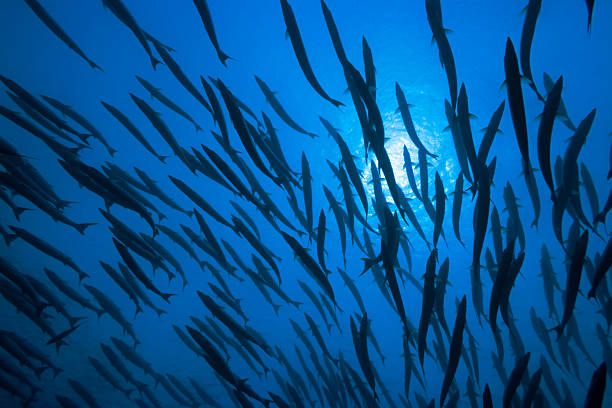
(123, 14)
(454, 353)
(515, 99)
(551, 107)
(407, 119)
(204, 11)
(157, 94)
(531, 17)
(300, 52)
(46, 18)
(127, 123)
(573, 281)
(278, 108)
(457, 201)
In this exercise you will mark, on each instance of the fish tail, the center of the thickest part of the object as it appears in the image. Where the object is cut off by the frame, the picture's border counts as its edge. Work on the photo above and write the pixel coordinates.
(155, 62)
(276, 307)
(82, 275)
(162, 158)
(166, 296)
(112, 151)
(138, 310)
(56, 371)
(198, 128)
(59, 344)
(224, 57)
(19, 210)
(9, 238)
(160, 312)
(94, 65)
(161, 216)
(127, 393)
(82, 227)
(99, 312)
(39, 371)
(84, 136)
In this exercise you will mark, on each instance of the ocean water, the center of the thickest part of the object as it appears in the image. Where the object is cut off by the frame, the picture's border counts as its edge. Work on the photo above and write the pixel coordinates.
(253, 35)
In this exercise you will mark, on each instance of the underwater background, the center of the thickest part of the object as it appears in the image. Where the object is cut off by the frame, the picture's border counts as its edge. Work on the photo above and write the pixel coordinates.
(253, 34)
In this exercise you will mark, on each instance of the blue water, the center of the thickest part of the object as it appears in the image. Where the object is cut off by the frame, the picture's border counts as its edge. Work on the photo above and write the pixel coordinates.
(253, 34)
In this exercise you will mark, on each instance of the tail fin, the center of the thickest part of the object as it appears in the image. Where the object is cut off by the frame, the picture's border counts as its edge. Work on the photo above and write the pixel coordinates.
(155, 62)
(162, 158)
(224, 57)
(8, 238)
(82, 275)
(112, 151)
(59, 344)
(276, 307)
(166, 296)
(99, 312)
(38, 371)
(19, 210)
(197, 127)
(56, 371)
(95, 66)
(82, 227)
(138, 310)
(160, 312)
(127, 392)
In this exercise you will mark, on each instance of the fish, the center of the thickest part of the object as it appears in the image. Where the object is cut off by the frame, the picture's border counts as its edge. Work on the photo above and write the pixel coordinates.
(178, 73)
(48, 20)
(440, 198)
(138, 272)
(407, 119)
(427, 303)
(242, 130)
(108, 376)
(123, 14)
(515, 100)
(307, 190)
(481, 218)
(490, 131)
(127, 123)
(515, 379)
(434, 17)
(551, 107)
(48, 249)
(204, 11)
(278, 108)
(590, 4)
(199, 201)
(531, 18)
(349, 163)
(602, 268)
(573, 281)
(319, 338)
(119, 365)
(157, 94)
(361, 349)
(338, 214)
(300, 52)
(457, 201)
(597, 387)
(455, 350)
(465, 129)
(310, 265)
(370, 69)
